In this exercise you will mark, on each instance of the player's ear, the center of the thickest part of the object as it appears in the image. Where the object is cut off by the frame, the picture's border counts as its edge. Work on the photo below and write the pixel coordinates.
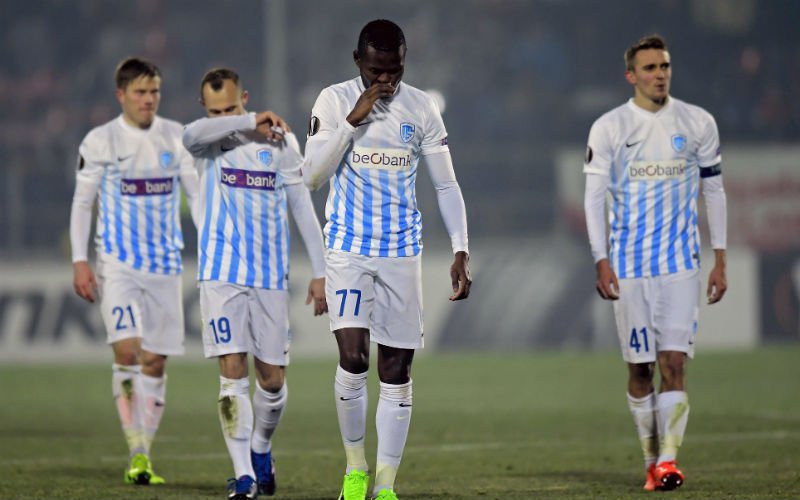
(119, 93)
(630, 77)
(355, 57)
(245, 97)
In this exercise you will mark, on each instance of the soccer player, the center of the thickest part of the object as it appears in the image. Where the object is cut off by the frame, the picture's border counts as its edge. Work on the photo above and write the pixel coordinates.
(367, 135)
(248, 171)
(132, 164)
(651, 155)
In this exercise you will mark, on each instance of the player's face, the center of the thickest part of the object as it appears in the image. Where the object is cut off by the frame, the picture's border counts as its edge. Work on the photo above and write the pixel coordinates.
(651, 75)
(229, 100)
(379, 66)
(139, 100)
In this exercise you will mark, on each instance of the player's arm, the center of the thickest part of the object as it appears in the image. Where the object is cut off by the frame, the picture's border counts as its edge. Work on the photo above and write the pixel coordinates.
(202, 133)
(454, 215)
(87, 181)
(709, 160)
(595, 209)
(191, 186)
(302, 208)
(329, 136)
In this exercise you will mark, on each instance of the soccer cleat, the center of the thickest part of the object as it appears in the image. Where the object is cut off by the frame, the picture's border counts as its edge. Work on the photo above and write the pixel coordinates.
(264, 466)
(355, 486)
(244, 488)
(141, 471)
(668, 476)
(650, 483)
(385, 494)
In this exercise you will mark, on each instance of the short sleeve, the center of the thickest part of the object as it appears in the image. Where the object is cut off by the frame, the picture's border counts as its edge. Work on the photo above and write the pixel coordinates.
(598, 149)
(435, 139)
(708, 154)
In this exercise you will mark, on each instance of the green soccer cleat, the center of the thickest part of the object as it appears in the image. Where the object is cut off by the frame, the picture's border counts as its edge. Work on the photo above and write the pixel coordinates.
(141, 471)
(355, 486)
(385, 494)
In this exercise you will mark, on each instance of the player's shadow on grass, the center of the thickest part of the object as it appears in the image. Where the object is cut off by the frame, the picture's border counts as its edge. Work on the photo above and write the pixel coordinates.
(590, 478)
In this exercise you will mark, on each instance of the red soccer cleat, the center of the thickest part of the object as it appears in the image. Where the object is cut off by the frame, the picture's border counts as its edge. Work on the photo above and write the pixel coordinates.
(668, 476)
(650, 483)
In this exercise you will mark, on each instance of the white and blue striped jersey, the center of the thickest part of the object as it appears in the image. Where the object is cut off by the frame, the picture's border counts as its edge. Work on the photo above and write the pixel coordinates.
(372, 206)
(654, 161)
(137, 174)
(244, 227)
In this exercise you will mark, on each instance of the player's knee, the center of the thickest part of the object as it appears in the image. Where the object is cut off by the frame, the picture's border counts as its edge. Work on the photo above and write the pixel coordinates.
(271, 379)
(354, 361)
(394, 373)
(673, 368)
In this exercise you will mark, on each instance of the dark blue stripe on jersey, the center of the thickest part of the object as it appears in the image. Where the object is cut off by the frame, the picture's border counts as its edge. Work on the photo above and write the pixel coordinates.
(249, 243)
(366, 212)
(123, 255)
(334, 229)
(265, 245)
(280, 271)
(655, 242)
(386, 213)
(687, 254)
(219, 237)
(641, 225)
(134, 230)
(149, 234)
(401, 215)
(349, 209)
(233, 271)
(209, 199)
(711, 171)
(672, 264)
(622, 269)
(105, 209)
(164, 218)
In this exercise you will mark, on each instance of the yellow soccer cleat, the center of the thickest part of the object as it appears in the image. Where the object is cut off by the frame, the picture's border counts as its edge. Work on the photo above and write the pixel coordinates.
(141, 471)
(355, 486)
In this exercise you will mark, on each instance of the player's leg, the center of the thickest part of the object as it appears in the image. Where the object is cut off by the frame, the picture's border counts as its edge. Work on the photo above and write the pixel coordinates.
(349, 288)
(269, 317)
(226, 336)
(161, 312)
(393, 416)
(676, 321)
(633, 316)
(397, 329)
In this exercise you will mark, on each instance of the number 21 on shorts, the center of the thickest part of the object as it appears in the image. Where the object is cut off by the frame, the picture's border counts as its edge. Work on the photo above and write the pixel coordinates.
(639, 340)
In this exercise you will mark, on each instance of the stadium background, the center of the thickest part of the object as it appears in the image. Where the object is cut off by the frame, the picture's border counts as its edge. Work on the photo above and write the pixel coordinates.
(521, 83)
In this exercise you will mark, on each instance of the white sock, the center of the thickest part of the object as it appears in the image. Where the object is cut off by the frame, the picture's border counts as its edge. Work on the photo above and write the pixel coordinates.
(391, 421)
(154, 391)
(644, 416)
(126, 388)
(268, 407)
(351, 408)
(673, 414)
(236, 418)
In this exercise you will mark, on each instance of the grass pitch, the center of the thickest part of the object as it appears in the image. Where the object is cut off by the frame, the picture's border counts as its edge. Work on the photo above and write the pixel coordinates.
(493, 426)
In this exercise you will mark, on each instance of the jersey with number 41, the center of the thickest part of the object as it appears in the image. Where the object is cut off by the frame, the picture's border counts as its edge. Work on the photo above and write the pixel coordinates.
(655, 161)
(372, 205)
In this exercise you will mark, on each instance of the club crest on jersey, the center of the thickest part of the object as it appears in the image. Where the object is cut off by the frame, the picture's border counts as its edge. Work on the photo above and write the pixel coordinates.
(165, 158)
(407, 131)
(679, 142)
(265, 157)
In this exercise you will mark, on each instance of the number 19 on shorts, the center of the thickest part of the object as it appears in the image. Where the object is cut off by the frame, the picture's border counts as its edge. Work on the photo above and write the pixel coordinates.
(639, 340)
(221, 327)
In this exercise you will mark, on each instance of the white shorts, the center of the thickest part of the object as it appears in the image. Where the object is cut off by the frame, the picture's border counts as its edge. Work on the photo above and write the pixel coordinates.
(239, 318)
(141, 304)
(657, 314)
(381, 294)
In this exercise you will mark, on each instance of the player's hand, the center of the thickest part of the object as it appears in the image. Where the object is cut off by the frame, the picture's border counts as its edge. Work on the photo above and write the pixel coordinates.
(316, 292)
(271, 126)
(84, 281)
(607, 284)
(367, 100)
(717, 284)
(459, 275)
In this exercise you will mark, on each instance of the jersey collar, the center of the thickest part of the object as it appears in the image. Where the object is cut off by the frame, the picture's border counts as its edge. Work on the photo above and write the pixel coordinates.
(651, 114)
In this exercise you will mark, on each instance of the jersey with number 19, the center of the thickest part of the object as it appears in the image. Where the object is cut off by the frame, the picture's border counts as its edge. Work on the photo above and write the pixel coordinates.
(654, 161)
(372, 207)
